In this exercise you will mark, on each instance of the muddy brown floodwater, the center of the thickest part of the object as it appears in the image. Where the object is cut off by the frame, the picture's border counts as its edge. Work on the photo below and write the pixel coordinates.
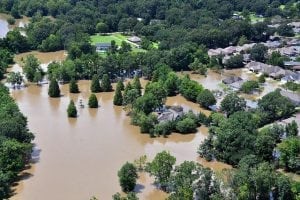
(79, 158)
(5, 27)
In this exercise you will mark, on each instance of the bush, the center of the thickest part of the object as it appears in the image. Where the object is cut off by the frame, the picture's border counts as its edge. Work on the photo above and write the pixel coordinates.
(235, 61)
(93, 101)
(163, 128)
(11, 21)
(186, 125)
(206, 98)
(249, 86)
(72, 111)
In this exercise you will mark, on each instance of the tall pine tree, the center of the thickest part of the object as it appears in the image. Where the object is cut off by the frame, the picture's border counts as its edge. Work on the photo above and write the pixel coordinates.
(95, 85)
(93, 101)
(73, 87)
(118, 98)
(106, 84)
(54, 90)
(72, 111)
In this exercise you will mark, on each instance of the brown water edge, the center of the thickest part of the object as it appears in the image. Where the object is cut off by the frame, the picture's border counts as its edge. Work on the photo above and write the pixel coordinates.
(5, 27)
(79, 158)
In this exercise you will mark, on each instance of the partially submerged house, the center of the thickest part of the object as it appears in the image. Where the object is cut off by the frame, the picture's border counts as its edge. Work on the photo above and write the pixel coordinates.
(169, 114)
(291, 76)
(231, 80)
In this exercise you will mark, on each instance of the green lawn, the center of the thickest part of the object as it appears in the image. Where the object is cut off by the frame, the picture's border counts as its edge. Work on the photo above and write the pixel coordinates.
(254, 19)
(118, 37)
(108, 38)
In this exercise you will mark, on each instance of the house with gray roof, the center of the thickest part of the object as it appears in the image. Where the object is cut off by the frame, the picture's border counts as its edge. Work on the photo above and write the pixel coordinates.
(231, 80)
(135, 39)
(294, 97)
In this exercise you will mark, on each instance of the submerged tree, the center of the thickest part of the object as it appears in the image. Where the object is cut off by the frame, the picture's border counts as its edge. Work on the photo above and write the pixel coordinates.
(127, 177)
(106, 84)
(54, 90)
(72, 111)
(73, 86)
(118, 98)
(95, 85)
(93, 101)
(161, 168)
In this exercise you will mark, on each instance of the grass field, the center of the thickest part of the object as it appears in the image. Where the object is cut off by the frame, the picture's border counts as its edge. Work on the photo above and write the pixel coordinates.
(254, 19)
(118, 37)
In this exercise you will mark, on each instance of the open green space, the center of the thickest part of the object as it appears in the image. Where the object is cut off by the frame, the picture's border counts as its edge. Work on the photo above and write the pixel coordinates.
(254, 18)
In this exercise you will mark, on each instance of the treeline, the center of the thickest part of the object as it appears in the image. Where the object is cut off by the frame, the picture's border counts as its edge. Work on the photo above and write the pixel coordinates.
(189, 180)
(173, 24)
(15, 142)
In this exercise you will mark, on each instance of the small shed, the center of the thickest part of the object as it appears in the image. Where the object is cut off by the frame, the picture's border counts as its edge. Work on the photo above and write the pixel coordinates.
(135, 39)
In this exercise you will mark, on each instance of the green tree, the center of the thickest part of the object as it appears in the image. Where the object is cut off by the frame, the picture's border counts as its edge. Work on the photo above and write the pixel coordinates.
(102, 27)
(31, 66)
(289, 151)
(186, 125)
(235, 137)
(258, 52)
(235, 61)
(15, 78)
(106, 84)
(127, 177)
(275, 106)
(72, 111)
(136, 84)
(249, 86)
(291, 129)
(190, 89)
(38, 76)
(125, 47)
(118, 98)
(232, 103)
(73, 86)
(172, 84)
(182, 180)
(120, 84)
(285, 30)
(54, 90)
(276, 59)
(206, 98)
(93, 101)
(95, 85)
(261, 78)
(146, 103)
(243, 40)
(161, 168)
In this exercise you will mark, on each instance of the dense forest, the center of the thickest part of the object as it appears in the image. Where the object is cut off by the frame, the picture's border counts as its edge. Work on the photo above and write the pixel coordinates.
(184, 30)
